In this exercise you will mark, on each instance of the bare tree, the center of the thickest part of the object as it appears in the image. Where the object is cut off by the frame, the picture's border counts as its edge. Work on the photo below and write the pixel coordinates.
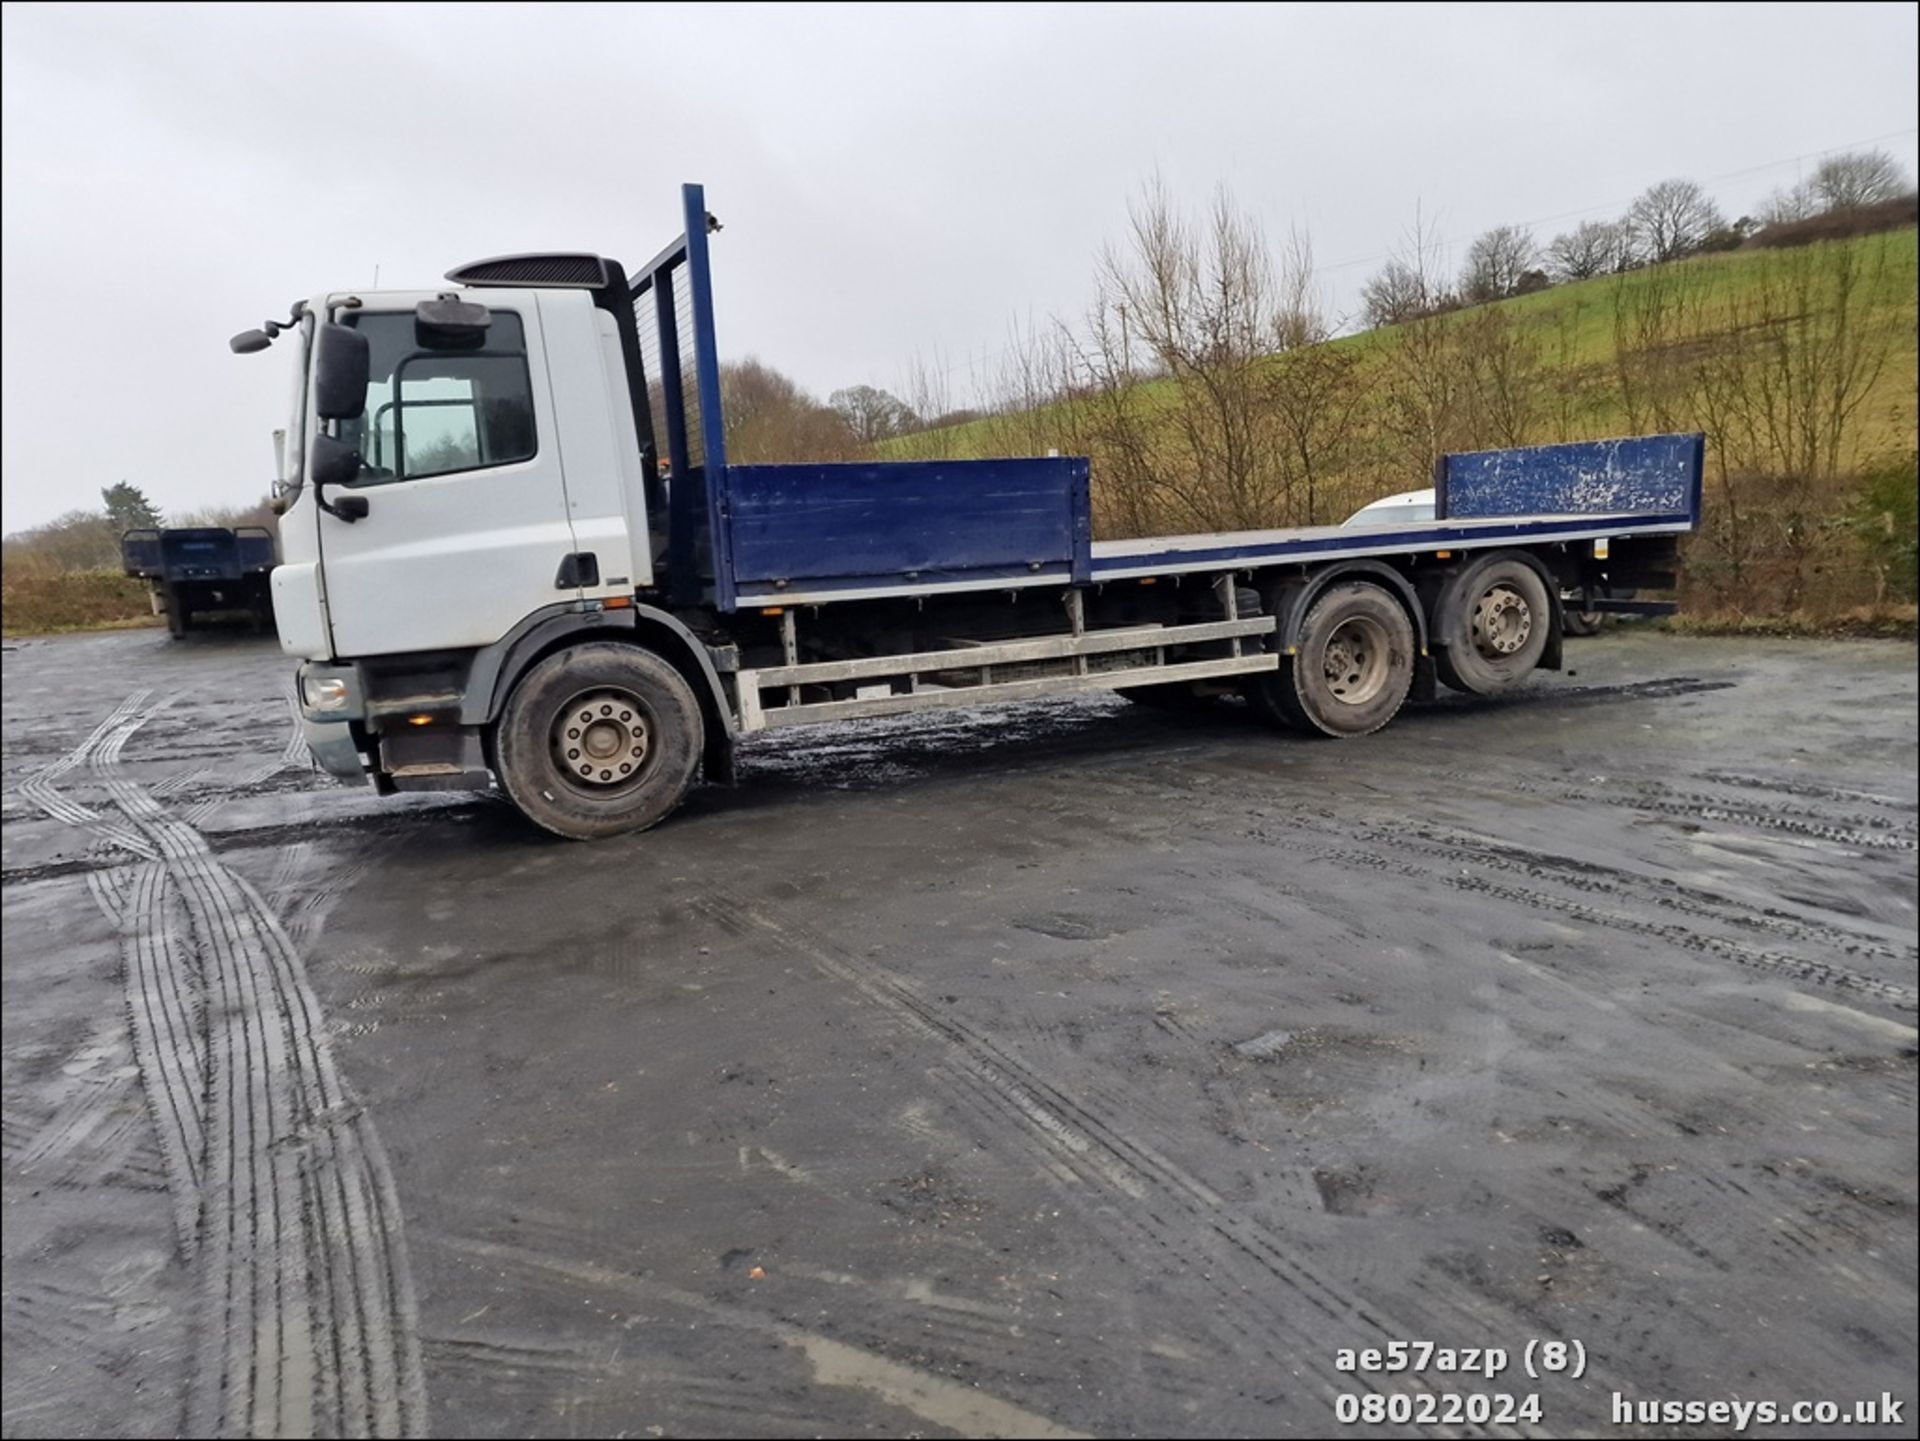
(1199, 304)
(1501, 364)
(769, 417)
(1593, 247)
(1316, 399)
(1778, 373)
(1787, 204)
(1654, 314)
(927, 392)
(872, 414)
(1858, 178)
(1672, 218)
(1396, 294)
(1496, 262)
(78, 540)
(1302, 318)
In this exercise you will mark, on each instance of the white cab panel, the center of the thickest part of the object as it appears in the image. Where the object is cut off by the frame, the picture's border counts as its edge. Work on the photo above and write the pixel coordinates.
(601, 454)
(298, 615)
(457, 559)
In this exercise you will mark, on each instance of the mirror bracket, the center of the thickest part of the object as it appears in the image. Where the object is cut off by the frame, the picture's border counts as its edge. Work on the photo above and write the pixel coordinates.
(448, 322)
(335, 463)
(348, 508)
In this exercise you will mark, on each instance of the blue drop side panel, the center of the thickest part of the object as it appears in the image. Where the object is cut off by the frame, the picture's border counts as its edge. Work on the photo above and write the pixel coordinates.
(1641, 475)
(140, 552)
(257, 550)
(888, 521)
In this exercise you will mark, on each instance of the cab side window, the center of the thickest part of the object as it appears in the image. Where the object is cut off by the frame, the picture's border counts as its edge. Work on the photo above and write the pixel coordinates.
(433, 412)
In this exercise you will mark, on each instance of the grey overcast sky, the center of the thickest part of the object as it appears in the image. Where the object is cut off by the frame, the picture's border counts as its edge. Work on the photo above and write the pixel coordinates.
(893, 178)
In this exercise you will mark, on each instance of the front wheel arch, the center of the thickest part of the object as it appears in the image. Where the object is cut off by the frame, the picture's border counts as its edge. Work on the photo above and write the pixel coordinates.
(498, 668)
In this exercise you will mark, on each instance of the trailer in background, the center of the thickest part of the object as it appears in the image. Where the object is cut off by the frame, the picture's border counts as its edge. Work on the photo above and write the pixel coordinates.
(203, 572)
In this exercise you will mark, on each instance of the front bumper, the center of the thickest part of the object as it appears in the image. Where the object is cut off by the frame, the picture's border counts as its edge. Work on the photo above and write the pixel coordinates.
(330, 731)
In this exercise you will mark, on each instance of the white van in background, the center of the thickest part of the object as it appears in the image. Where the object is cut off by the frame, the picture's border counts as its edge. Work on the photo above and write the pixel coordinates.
(1411, 507)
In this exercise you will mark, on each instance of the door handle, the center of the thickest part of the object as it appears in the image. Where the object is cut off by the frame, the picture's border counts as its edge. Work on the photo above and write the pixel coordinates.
(581, 568)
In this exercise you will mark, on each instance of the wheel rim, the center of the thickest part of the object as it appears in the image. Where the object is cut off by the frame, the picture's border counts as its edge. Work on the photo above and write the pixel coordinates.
(1358, 660)
(1502, 622)
(600, 739)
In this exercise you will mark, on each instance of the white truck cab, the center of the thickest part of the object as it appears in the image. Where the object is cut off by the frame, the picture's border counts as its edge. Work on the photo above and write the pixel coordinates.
(482, 469)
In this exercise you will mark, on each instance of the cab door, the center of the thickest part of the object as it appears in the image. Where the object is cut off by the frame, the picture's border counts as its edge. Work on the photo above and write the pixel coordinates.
(467, 524)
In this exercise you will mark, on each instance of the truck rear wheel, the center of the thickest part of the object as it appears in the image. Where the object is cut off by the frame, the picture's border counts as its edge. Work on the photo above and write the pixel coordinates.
(1492, 626)
(1351, 669)
(599, 740)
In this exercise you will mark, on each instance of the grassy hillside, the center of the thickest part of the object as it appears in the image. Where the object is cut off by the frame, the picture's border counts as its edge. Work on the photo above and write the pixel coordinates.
(1578, 328)
(1799, 364)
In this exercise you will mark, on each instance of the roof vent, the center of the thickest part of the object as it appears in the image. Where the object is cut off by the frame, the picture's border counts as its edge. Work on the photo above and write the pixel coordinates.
(572, 271)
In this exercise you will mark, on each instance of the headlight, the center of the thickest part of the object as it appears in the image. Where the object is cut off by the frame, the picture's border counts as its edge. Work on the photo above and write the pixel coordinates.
(325, 693)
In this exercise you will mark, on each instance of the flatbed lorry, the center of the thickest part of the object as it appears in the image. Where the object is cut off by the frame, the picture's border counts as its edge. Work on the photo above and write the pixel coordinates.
(196, 572)
(516, 554)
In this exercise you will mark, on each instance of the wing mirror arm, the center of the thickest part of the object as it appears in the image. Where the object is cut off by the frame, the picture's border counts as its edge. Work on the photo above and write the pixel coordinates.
(336, 463)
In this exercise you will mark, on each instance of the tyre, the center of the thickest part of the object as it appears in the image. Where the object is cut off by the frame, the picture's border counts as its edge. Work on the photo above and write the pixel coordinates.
(1581, 622)
(598, 741)
(1351, 669)
(1493, 624)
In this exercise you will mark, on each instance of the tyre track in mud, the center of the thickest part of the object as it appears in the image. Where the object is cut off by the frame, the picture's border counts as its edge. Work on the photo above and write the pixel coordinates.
(165, 993)
(1596, 879)
(1305, 830)
(1167, 1215)
(1878, 833)
(1819, 973)
(1811, 790)
(283, 1197)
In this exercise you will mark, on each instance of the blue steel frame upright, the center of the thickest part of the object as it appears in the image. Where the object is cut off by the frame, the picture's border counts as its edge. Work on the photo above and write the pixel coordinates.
(684, 506)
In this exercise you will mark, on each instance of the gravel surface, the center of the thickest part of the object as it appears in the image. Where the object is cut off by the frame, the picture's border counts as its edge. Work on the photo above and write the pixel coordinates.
(1060, 1069)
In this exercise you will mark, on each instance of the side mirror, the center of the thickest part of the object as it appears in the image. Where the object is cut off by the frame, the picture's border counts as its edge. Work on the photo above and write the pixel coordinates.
(247, 342)
(450, 323)
(342, 363)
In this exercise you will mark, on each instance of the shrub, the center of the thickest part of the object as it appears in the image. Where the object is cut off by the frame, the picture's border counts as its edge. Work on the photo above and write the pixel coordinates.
(1887, 518)
(37, 600)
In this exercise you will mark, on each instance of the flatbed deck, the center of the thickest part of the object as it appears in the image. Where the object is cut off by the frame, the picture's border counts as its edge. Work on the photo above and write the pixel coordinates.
(1172, 554)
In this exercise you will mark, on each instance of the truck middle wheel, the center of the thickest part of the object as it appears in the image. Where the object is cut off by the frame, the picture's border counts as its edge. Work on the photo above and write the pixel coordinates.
(599, 740)
(1351, 668)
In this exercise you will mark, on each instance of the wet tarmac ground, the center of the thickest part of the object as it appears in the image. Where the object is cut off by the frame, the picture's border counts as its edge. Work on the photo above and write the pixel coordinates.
(1060, 1069)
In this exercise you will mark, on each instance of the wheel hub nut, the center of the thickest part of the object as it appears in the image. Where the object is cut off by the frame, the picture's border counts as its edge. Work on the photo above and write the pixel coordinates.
(1502, 622)
(600, 738)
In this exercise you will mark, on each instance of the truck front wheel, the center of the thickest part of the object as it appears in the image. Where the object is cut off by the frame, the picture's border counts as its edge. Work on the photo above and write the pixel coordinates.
(1351, 668)
(599, 740)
